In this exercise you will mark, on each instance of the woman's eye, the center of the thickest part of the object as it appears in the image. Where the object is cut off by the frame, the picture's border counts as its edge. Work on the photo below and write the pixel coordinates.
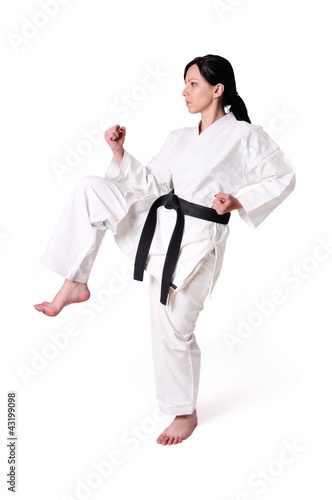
(193, 84)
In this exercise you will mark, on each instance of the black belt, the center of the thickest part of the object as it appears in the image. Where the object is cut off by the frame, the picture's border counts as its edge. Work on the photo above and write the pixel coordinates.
(182, 208)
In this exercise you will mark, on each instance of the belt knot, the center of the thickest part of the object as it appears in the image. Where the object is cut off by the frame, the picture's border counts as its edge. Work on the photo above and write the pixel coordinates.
(172, 202)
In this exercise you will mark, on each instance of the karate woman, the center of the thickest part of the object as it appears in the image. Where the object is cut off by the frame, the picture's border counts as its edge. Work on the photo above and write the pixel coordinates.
(171, 218)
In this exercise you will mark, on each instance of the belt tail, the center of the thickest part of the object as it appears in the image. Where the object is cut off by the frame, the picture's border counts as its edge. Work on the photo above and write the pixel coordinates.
(172, 257)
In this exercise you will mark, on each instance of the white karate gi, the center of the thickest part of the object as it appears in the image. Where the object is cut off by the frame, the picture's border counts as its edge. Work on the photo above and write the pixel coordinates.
(227, 156)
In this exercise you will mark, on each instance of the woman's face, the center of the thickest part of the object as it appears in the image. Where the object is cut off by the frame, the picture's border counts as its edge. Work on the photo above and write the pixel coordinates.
(199, 94)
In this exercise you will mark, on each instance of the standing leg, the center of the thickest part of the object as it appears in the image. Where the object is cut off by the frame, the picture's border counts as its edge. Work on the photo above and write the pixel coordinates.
(176, 355)
(95, 205)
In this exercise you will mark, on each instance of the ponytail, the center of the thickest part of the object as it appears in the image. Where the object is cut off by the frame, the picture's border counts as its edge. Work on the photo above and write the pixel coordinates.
(239, 109)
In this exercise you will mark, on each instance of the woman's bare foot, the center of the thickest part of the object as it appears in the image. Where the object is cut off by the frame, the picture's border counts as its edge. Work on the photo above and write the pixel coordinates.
(71, 292)
(179, 430)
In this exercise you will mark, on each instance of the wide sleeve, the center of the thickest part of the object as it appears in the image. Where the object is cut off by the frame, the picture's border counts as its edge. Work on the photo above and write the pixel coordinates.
(271, 174)
(153, 178)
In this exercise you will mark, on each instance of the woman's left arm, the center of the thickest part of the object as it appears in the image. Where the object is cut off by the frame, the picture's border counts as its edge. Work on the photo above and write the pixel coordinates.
(270, 173)
(224, 202)
(274, 177)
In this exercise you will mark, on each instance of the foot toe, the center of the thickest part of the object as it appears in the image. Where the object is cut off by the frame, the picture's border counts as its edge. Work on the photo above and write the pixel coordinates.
(162, 439)
(46, 308)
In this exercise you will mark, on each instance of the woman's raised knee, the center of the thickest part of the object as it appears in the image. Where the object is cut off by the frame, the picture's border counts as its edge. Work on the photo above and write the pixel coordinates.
(91, 181)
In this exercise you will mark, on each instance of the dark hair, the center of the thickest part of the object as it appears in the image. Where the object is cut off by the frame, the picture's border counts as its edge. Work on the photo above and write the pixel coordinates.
(216, 69)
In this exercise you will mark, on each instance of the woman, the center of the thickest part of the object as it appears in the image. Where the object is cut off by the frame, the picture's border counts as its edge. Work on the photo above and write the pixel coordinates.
(191, 185)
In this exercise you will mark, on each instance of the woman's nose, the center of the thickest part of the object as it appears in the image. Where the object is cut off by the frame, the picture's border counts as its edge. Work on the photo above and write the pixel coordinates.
(185, 92)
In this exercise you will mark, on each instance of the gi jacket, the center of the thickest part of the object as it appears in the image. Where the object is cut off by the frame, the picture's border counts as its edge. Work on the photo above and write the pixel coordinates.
(228, 156)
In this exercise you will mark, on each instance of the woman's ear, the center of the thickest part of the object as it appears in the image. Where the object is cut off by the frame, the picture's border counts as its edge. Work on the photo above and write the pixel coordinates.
(219, 90)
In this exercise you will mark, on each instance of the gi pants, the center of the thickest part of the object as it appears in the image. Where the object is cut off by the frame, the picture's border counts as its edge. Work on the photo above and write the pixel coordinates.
(98, 204)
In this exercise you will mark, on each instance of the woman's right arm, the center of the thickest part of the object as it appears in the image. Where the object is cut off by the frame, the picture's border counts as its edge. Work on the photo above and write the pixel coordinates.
(115, 137)
(155, 177)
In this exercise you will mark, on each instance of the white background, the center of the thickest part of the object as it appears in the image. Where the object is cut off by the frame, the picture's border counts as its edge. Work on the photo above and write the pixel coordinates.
(84, 404)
